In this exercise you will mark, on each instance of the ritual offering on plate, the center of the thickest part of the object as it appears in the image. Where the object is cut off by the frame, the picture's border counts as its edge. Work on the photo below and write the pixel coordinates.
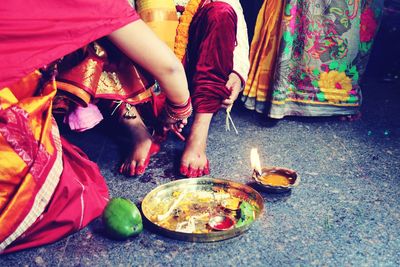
(202, 209)
(273, 179)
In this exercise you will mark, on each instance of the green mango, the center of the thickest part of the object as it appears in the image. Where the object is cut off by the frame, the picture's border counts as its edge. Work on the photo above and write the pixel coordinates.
(122, 219)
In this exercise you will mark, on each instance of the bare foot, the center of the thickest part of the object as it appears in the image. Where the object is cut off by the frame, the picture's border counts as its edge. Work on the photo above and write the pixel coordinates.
(142, 146)
(194, 161)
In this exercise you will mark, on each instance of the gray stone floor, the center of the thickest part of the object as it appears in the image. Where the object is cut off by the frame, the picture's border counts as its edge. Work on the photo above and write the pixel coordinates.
(345, 212)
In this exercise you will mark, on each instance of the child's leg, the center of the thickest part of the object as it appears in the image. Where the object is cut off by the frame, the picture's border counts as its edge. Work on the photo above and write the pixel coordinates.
(140, 141)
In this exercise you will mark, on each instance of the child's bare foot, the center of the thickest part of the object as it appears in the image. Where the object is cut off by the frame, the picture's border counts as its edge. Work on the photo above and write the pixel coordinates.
(194, 161)
(142, 146)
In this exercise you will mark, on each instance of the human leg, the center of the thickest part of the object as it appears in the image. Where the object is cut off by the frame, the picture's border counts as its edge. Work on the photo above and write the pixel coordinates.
(210, 56)
(142, 145)
(166, 69)
(194, 162)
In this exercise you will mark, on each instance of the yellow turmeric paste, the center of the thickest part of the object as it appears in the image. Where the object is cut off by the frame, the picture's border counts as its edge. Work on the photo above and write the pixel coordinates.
(274, 179)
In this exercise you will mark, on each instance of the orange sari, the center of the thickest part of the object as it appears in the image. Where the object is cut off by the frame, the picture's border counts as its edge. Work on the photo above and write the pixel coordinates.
(48, 187)
(31, 166)
(263, 53)
(45, 182)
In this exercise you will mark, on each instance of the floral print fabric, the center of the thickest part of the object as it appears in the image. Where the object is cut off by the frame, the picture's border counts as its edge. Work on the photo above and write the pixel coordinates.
(323, 53)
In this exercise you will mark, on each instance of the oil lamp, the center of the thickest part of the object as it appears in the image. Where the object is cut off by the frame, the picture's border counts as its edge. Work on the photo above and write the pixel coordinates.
(273, 179)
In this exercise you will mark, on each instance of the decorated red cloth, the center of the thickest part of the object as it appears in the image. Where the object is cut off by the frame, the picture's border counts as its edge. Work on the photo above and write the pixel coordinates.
(81, 196)
(48, 187)
(44, 198)
(34, 33)
(212, 39)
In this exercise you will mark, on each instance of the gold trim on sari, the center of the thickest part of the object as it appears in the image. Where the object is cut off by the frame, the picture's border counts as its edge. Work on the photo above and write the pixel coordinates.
(31, 170)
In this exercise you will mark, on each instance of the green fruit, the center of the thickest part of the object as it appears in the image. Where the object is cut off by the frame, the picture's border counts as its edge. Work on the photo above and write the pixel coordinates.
(122, 218)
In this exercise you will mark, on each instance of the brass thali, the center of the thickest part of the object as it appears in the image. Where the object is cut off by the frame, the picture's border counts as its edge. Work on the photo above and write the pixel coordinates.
(202, 209)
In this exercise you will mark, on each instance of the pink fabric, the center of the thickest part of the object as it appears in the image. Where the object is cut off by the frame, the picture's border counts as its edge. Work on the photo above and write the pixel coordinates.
(210, 55)
(36, 32)
(84, 118)
(80, 197)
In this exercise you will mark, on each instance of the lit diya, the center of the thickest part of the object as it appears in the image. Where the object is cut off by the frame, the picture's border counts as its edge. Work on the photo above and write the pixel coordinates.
(273, 179)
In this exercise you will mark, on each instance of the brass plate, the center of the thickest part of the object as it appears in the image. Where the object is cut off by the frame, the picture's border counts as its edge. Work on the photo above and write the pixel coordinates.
(181, 200)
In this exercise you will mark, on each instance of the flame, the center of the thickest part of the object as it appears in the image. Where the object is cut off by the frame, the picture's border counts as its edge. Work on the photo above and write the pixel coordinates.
(255, 160)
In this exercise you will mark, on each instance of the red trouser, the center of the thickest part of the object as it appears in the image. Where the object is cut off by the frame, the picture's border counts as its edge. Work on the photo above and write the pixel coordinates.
(212, 39)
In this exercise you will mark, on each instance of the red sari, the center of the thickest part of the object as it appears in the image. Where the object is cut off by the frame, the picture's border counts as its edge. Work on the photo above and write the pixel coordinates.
(48, 187)
(34, 33)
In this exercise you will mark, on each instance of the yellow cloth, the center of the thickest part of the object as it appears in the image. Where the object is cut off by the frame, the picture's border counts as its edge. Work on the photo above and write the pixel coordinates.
(263, 50)
(28, 151)
(161, 17)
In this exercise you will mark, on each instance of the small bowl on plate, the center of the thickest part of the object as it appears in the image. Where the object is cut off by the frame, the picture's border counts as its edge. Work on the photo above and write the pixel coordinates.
(276, 179)
(221, 223)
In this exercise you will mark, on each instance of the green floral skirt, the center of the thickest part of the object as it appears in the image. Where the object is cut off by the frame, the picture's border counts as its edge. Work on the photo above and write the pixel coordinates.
(323, 53)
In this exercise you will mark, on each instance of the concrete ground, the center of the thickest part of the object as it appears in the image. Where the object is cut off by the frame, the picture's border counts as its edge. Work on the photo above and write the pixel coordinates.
(345, 212)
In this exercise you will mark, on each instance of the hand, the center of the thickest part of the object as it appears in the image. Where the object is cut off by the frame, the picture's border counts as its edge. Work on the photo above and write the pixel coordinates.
(234, 84)
(176, 117)
(170, 124)
(175, 126)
